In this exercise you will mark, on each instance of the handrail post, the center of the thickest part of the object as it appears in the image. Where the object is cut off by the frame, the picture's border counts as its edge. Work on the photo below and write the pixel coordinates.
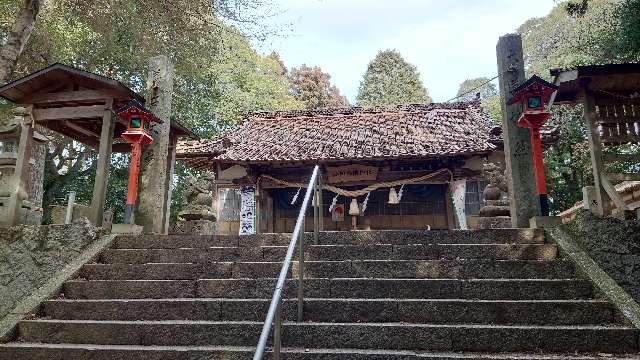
(320, 217)
(316, 211)
(273, 319)
(301, 273)
(277, 332)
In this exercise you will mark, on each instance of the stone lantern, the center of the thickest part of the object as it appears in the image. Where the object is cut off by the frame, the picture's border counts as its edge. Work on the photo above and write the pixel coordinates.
(137, 134)
(534, 94)
(21, 171)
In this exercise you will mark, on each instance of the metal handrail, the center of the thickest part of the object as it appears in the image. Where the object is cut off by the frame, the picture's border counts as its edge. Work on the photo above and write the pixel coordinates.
(274, 315)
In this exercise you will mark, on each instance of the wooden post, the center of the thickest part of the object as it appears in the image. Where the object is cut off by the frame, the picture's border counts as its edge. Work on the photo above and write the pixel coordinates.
(102, 172)
(602, 206)
(153, 171)
(19, 181)
(517, 143)
(259, 207)
(448, 201)
(68, 218)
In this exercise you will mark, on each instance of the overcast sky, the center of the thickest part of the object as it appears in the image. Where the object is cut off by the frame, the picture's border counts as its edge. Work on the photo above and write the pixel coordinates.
(449, 41)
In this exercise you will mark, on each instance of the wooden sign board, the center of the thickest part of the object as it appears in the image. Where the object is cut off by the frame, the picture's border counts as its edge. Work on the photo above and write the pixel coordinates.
(351, 173)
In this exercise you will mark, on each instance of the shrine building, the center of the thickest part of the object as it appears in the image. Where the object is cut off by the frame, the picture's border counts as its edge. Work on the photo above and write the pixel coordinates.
(399, 167)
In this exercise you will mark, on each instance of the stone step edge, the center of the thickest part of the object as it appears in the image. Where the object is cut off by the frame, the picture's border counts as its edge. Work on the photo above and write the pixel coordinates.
(350, 245)
(332, 324)
(355, 300)
(380, 261)
(342, 279)
(318, 351)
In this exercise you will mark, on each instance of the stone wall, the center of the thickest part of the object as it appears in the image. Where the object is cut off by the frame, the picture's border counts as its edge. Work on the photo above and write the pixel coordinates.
(613, 244)
(31, 254)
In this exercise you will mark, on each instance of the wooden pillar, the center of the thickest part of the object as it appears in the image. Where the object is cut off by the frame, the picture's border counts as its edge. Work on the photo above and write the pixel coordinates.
(98, 200)
(171, 164)
(602, 206)
(448, 201)
(517, 143)
(153, 170)
(19, 181)
(259, 207)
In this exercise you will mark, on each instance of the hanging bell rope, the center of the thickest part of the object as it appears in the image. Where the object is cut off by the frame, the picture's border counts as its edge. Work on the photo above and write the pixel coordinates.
(368, 189)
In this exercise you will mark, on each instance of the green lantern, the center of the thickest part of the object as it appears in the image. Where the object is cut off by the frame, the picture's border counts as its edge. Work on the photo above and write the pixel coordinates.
(135, 123)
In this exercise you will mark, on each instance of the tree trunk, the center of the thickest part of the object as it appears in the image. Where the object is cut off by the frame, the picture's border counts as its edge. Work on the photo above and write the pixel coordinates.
(17, 38)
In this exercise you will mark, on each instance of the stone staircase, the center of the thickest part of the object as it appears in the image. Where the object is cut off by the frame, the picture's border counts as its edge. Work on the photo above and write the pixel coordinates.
(484, 294)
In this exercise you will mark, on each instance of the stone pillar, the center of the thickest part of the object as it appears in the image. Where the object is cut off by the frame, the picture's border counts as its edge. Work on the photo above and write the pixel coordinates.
(98, 200)
(171, 163)
(517, 143)
(153, 198)
(18, 190)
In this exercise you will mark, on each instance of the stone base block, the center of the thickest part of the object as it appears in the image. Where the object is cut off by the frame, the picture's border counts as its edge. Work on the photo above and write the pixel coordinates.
(494, 211)
(195, 227)
(503, 202)
(545, 222)
(128, 229)
(496, 222)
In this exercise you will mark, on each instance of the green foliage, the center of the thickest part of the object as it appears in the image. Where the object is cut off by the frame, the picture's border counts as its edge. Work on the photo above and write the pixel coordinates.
(470, 87)
(488, 95)
(218, 76)
(312, 87)
(390, 80)
(578, 33)
(568, 161)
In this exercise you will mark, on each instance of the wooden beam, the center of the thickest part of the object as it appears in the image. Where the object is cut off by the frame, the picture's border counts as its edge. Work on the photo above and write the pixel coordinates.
(80, 129)
(623, 177)
(75, 96)
(613, 193)
(610, 157)
(67, 113)
(618, 119)
(595, 147)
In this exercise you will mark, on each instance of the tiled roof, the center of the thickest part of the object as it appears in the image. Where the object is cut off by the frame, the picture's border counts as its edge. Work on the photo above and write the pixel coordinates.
(350, 133)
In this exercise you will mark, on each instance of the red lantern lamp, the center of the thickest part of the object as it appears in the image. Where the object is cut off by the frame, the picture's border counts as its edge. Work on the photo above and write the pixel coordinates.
(534, 94)
(138, 120)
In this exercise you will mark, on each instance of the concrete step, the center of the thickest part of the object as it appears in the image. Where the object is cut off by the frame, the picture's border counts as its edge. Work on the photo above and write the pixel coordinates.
(334, 253)
(40, 351)
(396, 237)
(429, 337)
(453, 311)
(523, 269)
(489, 289)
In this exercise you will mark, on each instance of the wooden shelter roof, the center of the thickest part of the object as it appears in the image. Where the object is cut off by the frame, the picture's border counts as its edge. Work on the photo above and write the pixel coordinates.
(612, 79)
(73, 102)
(55, 75)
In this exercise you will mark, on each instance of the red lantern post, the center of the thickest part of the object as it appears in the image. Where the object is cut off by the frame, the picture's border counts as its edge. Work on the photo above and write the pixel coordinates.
(138, 120)
(533, 94)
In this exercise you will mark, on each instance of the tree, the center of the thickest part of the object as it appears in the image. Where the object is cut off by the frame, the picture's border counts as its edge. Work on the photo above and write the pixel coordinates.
(488, 95)
(470, 87)
(15, 38)
(219, 76)
(313, 88)
(390, 80)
